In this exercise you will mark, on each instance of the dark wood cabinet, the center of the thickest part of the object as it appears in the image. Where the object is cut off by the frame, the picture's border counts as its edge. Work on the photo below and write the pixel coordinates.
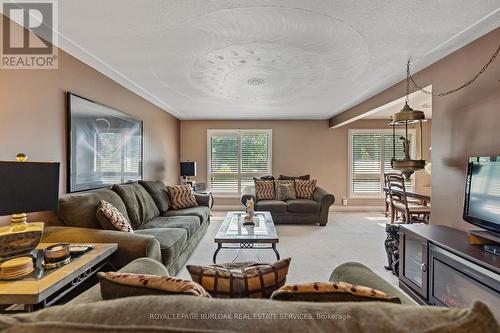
(413, 261)
(439, 267)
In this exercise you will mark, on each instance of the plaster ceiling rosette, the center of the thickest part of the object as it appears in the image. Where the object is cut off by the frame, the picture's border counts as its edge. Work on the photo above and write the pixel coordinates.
(258, 55)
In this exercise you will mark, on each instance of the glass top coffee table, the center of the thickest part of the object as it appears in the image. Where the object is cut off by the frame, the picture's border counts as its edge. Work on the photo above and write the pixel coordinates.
(234, 235)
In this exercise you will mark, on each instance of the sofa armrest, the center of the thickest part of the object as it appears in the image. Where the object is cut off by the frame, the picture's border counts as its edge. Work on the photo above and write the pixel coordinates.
(325, 200)
(248, 193)
(139, 266)
(130, 246)
(202, 199)
(359, 274)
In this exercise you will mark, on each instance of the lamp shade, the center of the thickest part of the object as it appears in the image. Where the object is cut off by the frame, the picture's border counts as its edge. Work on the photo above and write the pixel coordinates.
(28, 187)
(188, 169)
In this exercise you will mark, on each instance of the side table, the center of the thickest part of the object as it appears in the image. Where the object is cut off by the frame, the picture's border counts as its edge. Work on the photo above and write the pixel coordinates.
(209, 192)
(40, 292)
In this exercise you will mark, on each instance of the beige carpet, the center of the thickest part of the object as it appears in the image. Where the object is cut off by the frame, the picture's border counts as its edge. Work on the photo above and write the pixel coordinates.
(315, 250)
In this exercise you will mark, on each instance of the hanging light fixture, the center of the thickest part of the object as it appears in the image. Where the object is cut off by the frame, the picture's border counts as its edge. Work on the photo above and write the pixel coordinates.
(403, 119)
(409, 117)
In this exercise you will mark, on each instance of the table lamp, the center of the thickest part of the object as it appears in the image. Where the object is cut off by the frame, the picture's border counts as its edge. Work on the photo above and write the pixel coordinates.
(188, 170)
(24, 187)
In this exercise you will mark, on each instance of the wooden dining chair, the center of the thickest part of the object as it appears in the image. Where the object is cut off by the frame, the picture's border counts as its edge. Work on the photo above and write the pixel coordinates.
(387, 202)
(400, 207)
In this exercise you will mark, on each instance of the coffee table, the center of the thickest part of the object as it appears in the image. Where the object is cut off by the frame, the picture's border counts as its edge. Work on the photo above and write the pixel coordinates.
(232, 231)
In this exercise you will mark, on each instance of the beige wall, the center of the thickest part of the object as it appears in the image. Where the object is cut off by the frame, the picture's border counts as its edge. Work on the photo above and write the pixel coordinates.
(33, 116)
(299, 147)
(464, 124)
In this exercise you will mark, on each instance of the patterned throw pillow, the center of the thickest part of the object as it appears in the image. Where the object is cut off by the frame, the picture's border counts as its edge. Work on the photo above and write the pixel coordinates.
(182, 196)
(305, 188)
(241, 280)
(285, 189)
(331, 292)
(264, 189)
(118, 285)
(110, 218)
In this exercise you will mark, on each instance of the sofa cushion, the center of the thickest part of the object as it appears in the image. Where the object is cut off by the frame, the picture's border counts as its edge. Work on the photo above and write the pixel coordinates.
(305, 188)
(110, 218)
(182, 196)
(303, 206)
(264, 189)
(172, 241)
(119, 285)
(139, 266)
(158, 192)
(331, 292)
(285, 189)
(273, 206)
(202, 212)
(140, 205)
(79, 209)
(241, 280)
(188, 223)
(305, 177)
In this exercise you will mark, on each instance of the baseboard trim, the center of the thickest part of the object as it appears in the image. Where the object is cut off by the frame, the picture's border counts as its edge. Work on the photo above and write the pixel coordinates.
(356, 208)
(227, 207)
(332, 208)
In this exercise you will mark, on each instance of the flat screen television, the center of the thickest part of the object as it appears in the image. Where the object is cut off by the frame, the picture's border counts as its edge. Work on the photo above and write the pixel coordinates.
(482, 193)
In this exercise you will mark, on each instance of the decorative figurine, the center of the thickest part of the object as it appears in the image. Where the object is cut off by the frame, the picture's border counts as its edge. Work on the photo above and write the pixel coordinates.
(250, 212)
(406, 147)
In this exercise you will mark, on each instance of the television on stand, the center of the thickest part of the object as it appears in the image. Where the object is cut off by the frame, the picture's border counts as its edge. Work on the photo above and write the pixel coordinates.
(482, 201)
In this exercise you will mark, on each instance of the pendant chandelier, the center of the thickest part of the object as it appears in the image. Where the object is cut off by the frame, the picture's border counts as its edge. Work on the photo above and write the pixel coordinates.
(409, 117)
(403, 119)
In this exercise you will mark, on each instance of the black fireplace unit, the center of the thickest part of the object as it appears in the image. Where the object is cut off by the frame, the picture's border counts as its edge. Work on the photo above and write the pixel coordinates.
(437, 266)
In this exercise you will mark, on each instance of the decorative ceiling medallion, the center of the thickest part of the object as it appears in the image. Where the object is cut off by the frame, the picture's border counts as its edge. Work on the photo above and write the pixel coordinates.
(256, 81)
(258, 55)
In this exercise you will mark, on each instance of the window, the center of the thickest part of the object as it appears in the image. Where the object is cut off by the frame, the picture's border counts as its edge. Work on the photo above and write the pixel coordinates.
(370, 154)
(235, 157)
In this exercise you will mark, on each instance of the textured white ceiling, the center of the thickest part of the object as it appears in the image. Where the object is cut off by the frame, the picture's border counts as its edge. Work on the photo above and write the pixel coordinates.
(307, 59)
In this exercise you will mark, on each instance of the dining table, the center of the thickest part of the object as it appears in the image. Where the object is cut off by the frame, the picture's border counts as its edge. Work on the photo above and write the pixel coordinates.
(424, 195)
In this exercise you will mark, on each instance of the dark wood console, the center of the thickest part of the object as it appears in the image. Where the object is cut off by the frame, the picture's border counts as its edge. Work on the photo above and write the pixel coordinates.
(439, 267)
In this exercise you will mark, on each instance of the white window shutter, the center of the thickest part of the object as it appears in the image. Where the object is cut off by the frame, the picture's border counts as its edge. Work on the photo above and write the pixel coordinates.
(366, 162)
(236, 157)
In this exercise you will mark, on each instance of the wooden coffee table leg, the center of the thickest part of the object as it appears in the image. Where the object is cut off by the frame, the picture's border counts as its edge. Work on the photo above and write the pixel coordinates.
(276, 251)
(219, 246)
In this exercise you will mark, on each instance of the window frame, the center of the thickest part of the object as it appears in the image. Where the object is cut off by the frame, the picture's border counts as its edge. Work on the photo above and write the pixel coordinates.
(382, 131)
(238, 133)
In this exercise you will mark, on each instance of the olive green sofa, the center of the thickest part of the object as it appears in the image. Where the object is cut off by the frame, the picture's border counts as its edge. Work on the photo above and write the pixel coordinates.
(296, 211)
(160, 232)
(146, 314)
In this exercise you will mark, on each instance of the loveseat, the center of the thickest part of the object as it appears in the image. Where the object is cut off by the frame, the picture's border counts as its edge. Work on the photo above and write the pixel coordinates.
(160, 232)
(295, 210)
(145, 314)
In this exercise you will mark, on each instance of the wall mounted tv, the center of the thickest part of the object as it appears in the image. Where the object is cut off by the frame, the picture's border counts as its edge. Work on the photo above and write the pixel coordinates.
(482, 193)
(105, 146)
